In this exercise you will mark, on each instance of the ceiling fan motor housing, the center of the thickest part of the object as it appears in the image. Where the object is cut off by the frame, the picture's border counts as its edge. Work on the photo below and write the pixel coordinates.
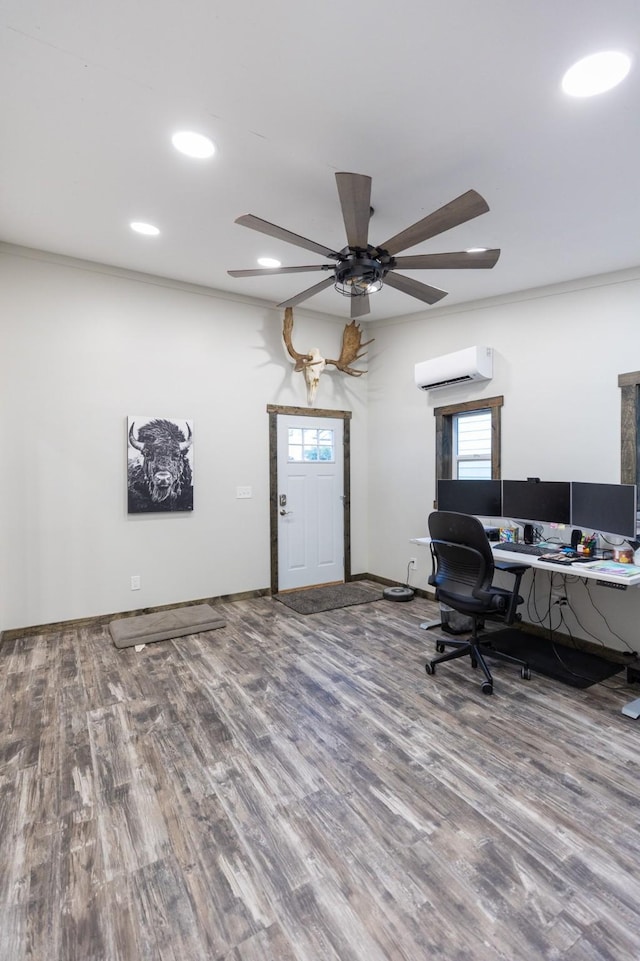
(359, 272)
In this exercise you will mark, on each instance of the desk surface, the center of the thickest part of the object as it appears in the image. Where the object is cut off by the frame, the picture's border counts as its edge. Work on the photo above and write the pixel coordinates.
(530, 560)
(578, 570)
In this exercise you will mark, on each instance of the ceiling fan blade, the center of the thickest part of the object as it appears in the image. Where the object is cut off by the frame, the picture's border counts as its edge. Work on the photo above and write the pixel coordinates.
(430, 295)
(360, 306)
(272, 230)
(354, 191)
(327, 282)
(460, 258)
(458, 211)
(263, 271)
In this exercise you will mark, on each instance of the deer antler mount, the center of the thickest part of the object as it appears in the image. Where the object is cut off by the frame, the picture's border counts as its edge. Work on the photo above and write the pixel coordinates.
(313, 363)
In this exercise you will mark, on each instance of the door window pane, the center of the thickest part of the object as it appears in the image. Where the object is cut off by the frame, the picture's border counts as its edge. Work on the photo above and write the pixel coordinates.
(311, 444)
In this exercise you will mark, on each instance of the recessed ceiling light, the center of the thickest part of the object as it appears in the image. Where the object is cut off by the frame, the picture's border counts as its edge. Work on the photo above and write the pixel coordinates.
(147, 229)
(268, 262)
(193, 144)
(596, 73)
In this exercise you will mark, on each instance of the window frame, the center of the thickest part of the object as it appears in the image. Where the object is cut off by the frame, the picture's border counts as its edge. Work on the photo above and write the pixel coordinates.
(629, 385)
(445, 434)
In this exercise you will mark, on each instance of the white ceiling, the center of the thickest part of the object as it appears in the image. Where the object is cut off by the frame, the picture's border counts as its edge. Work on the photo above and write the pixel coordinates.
(429, 98)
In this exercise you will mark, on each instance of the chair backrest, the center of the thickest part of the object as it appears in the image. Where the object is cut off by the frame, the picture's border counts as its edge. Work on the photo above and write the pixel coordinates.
(463, 561)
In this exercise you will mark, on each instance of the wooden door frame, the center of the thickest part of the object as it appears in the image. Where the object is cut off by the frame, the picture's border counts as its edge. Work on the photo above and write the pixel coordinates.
(273, 410)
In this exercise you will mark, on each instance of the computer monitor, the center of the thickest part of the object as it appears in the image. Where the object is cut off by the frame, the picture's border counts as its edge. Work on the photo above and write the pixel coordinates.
(480, 497)
(531, 500)
(608, 508)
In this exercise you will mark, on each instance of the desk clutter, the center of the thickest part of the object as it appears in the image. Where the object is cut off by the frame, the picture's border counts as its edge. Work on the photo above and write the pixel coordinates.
(565, 557)
(613, 567)
(509, 535)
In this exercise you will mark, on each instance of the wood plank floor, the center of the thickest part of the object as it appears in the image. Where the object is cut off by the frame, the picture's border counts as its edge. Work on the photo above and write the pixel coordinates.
(292, 788)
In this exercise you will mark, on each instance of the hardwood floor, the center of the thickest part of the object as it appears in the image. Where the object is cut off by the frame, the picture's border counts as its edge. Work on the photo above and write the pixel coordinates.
(296, 788)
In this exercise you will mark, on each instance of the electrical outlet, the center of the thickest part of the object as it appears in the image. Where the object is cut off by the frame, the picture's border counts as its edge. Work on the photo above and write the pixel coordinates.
(413, 562)
(242, 492)
(135, 582)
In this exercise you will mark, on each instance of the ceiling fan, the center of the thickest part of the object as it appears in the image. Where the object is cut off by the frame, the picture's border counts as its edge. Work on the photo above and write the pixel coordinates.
(362, 269)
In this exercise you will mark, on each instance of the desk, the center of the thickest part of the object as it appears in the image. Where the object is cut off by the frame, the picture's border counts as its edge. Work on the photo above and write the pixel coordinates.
(576, 570)
(530, 560)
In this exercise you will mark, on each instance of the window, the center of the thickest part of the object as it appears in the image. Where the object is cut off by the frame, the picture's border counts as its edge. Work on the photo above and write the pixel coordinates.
(471, 452)
(468, 440)
(309, 444)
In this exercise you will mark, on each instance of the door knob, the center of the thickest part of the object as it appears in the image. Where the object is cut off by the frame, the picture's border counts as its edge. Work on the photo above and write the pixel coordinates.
(283, 512)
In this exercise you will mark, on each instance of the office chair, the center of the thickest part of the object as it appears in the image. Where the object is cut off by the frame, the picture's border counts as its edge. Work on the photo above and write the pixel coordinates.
(463, 569)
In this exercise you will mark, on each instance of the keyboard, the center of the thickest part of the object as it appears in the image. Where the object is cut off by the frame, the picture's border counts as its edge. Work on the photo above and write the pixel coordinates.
(517, 548)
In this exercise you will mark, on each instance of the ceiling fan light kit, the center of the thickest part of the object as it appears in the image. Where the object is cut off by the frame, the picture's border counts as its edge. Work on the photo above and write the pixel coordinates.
(362, 269)
(358, 275)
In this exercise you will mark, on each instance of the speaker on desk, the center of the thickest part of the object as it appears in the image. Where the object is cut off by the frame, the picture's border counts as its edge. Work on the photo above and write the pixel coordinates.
(576, 537)
(528, 533)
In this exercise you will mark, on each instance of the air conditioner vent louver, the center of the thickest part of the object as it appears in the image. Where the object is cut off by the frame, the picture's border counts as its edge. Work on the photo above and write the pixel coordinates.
(463, 366)
(447, 383)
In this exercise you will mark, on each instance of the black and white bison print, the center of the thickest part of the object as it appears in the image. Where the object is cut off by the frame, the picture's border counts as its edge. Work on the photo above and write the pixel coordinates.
(163, 480)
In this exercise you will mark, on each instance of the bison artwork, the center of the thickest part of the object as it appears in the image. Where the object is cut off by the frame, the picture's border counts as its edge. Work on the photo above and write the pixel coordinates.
(159, 478)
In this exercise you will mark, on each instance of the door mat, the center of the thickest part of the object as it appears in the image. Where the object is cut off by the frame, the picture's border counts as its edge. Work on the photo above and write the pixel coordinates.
(313, 600)
(566, 664)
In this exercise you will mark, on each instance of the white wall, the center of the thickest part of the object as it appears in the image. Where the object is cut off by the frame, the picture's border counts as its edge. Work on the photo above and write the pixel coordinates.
(557, 356)
(83, 347)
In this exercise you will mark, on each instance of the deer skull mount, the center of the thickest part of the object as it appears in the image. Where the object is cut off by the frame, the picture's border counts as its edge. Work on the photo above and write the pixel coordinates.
(313, 363)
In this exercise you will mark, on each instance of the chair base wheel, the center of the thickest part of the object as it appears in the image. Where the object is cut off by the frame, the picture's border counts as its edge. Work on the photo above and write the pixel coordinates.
(440, 647)
(429, 668)
(487, 687)
(525, 674)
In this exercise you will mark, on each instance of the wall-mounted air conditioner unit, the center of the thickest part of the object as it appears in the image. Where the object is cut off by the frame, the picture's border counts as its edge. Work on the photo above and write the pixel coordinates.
(470, 364)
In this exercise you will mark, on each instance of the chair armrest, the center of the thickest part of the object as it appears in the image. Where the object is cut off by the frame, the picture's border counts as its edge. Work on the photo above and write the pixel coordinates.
(518, 571)
(511, 568)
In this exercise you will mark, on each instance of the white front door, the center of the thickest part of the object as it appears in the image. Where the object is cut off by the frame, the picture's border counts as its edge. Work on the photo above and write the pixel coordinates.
(310, 501)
